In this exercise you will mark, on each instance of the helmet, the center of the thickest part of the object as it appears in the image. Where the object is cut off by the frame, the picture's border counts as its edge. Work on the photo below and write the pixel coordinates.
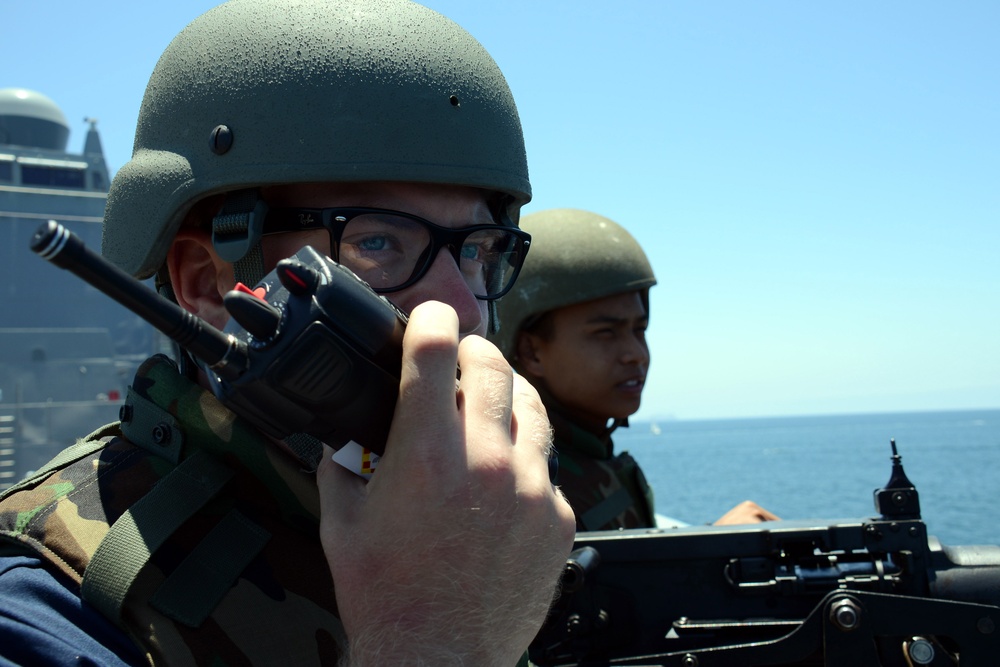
(576, 256)
(270, 92)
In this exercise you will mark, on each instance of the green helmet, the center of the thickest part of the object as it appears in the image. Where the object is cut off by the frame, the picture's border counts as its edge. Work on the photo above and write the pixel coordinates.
(576, 256)
(269, 92)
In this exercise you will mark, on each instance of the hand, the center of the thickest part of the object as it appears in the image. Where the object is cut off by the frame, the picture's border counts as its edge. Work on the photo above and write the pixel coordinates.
(451, 553)
(746, 512)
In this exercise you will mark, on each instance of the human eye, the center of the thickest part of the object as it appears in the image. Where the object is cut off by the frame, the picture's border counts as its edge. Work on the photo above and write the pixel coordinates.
(471, 251)
(372, 243)
(375, 237)
(483, 246)
(382, 249)
(482, 252)
(475, 264)
(603, 332)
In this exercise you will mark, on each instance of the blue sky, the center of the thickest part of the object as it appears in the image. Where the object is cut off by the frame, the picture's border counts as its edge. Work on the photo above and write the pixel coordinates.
(817, 185)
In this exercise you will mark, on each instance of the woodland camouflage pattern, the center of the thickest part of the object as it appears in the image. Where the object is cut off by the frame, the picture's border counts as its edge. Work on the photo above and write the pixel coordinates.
(278, 609)
(606, 492)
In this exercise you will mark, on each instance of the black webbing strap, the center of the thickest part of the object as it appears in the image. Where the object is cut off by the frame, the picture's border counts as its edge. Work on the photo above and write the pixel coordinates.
(140, 531)
(193, 590)
(606, 510)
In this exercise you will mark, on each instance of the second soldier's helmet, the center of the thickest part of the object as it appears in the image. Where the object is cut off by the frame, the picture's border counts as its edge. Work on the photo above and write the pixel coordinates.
(576, 256)
(268, 92)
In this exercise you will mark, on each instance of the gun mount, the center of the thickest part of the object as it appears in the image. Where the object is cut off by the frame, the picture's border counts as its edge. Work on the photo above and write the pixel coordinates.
(874, 591)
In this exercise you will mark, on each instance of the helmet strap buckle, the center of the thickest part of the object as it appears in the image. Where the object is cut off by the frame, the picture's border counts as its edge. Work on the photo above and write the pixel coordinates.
(236, 234)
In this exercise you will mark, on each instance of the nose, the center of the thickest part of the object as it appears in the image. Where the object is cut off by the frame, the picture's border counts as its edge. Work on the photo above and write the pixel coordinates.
(635, 350)
(444, 282)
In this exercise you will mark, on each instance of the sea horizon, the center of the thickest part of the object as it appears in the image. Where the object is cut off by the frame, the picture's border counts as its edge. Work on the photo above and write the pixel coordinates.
(825, 466)
(673, 418)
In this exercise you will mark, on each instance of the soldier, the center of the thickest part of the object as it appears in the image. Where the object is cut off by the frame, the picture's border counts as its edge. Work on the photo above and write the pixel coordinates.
(575, 326)
(182, 535)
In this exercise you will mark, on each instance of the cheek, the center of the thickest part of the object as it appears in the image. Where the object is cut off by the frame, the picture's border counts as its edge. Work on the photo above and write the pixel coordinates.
(576, 386)
(566, 364)
(484, 318)
(587, 371)
(411, 297)
(414, 295)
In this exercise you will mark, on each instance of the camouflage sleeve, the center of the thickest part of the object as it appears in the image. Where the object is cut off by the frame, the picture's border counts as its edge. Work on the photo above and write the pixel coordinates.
(44, 623)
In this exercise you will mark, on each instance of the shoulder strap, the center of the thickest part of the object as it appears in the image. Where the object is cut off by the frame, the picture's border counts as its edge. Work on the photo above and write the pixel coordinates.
(203, 578)
(140, 531)
(606, 510)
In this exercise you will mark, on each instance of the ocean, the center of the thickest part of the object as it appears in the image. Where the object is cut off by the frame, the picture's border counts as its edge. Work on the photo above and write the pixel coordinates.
(826, 467)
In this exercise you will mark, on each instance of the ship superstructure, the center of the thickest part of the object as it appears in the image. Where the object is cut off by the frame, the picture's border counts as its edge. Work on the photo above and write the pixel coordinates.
(67, 352)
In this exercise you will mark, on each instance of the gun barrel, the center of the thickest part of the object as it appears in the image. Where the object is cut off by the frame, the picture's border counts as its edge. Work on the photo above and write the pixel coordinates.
(966, 573)
(579, 565)
(60, 246)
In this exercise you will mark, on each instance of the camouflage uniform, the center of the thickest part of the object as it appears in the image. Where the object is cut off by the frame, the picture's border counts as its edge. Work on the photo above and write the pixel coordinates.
(606, 491)
(194, 534)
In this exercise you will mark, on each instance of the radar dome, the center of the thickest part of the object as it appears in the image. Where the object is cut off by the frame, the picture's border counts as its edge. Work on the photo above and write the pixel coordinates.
(28, 118)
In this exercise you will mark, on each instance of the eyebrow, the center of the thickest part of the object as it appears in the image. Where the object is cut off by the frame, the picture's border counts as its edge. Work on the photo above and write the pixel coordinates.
(610, 319)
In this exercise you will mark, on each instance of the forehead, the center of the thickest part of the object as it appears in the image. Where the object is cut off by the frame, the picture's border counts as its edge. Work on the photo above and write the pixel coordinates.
(429, 200)
(625, 307)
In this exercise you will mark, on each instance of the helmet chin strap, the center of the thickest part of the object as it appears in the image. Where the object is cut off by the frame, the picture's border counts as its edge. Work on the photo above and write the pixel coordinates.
(502, 213)
(236, 233)
(494, 317)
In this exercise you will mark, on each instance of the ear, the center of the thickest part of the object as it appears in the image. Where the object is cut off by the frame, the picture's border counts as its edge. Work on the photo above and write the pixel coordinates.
(199, 277)
(530, 353)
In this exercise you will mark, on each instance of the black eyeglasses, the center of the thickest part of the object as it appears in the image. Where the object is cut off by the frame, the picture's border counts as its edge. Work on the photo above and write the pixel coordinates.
(391, 250)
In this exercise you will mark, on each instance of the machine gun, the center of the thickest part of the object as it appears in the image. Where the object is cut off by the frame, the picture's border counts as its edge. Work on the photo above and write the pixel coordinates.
(876, 591)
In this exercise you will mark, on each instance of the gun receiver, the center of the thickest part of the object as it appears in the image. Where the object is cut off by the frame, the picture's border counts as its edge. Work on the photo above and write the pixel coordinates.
(311, 349)
(875, 591)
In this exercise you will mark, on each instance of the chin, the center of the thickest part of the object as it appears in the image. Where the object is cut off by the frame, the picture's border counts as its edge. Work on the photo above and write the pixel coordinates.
(626, 411)
(619, 415)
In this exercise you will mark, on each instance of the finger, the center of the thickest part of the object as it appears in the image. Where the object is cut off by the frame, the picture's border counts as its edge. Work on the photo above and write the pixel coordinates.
(533, 444)
(427, 380)
(487, 381)
(341, 492)
(531, 420)
(532, 435)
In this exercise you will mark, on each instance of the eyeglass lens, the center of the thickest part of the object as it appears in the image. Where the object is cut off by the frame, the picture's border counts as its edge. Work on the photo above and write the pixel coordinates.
(387, 251)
